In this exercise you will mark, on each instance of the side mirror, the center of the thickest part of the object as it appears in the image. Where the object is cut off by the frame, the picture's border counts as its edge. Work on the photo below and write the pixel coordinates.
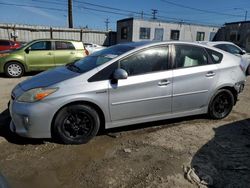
(243, 52)
(120, 74)
(27, 50)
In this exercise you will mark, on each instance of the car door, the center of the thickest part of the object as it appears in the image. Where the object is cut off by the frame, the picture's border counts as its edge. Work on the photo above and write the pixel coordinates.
(39, 56)
(64, 53)
(194, 78)
(147, 90)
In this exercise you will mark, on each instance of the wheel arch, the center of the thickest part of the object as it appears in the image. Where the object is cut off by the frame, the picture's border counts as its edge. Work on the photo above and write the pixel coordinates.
(16, 61)
(93, 105)
(227, 87)
(233, 91)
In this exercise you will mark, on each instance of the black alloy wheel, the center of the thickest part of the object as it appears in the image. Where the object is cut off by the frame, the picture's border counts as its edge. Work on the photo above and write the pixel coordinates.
(222, 104)
(76, 124)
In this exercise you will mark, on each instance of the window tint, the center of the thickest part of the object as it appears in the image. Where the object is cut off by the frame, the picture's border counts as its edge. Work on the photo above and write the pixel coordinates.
(146, 61)
(144, 33)
(42, 45)
(215, 56)
(175, 35)
(4, 43)
(222, 47)
(233, 49)
(189, 56)
(60, 45)
(104, 74)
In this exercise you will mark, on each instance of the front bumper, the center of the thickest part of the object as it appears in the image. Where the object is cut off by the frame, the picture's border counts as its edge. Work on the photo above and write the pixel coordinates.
(31, 120)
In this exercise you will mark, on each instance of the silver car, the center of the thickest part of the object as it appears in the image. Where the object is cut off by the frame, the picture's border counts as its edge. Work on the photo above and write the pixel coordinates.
(126, 84)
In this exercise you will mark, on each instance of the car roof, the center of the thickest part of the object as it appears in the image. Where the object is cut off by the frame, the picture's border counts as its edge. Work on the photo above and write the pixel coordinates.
(142, 44)
(213, 43)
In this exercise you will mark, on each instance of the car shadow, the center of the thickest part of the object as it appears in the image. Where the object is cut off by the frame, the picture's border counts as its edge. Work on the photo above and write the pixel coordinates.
(153, 126)
(225, 160)
(2, 75)
(11, 137)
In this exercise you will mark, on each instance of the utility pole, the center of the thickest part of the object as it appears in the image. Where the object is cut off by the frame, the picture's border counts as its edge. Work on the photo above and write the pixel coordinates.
(246, 15)
(142, 14)
(107, 24)
(154, 12)
(70, 17)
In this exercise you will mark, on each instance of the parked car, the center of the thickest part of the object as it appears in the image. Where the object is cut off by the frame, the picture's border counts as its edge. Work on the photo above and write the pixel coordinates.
(233, 49)
(126, 84)
(39, 55)
(91, 47)
(9, 45)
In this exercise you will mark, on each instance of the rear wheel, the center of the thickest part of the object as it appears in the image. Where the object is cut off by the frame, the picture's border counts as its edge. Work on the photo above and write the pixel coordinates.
(76, 124)
(14, 69)
(221, 105)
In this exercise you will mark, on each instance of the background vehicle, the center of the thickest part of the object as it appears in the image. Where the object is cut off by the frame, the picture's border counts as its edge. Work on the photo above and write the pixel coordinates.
(40, 55)
(9, 45)
(127, 84)
(91, 47)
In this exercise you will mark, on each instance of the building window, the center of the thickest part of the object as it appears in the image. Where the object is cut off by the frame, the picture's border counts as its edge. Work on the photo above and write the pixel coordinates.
(200, 36)
(175, 35)
(144, 33)
(124, 33)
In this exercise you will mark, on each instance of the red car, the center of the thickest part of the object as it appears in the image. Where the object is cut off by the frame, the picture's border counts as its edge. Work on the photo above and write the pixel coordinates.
(9, 45)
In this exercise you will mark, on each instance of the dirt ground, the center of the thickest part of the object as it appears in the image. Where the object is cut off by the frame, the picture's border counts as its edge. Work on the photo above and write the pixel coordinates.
(146, 155)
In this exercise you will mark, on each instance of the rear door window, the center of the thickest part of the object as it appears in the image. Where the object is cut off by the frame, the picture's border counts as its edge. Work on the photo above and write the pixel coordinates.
(189, 56)
(61, 45)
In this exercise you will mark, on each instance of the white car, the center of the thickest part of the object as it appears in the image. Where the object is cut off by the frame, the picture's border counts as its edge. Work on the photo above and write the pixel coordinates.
(91, 47)
(233, 49)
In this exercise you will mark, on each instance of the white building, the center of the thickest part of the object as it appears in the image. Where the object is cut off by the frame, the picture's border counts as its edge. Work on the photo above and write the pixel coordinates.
(133, 29)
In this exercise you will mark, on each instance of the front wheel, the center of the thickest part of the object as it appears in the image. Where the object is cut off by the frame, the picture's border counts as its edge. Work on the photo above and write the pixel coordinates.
(76, 124)
(14, 69)
(221, 105)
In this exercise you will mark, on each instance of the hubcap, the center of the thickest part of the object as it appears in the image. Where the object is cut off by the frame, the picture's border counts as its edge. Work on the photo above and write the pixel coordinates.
(14, 70)
(77, 124)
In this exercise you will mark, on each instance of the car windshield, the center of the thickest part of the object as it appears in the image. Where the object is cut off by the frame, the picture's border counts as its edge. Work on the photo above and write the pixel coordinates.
(98, 58)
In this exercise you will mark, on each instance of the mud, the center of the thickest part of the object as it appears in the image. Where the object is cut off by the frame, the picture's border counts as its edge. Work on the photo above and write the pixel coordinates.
(145, 155)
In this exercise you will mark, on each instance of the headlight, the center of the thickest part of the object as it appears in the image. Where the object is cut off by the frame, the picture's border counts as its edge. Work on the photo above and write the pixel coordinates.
(4, 54)
(36, 94)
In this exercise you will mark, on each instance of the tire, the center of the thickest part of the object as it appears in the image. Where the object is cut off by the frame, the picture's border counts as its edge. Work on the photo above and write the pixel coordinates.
(14, 69)
(76, 124)
(221, 104)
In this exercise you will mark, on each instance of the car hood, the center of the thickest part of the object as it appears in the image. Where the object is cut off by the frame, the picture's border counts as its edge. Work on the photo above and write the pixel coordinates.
(48, 78)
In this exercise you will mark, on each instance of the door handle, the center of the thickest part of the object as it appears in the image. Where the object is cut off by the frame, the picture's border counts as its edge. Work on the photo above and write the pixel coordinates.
(163, 82)
(210, 74)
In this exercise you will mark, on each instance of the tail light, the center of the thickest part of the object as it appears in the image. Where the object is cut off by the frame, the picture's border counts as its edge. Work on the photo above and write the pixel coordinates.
(242, 68)
(86, 51)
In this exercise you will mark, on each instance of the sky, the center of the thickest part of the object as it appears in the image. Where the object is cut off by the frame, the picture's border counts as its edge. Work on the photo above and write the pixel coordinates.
(94, 13)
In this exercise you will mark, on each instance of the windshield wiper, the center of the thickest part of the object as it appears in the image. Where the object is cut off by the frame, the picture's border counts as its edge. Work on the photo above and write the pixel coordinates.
(73, 67)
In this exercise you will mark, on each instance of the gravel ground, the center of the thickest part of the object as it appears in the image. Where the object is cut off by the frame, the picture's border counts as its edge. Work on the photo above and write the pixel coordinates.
(146, 155)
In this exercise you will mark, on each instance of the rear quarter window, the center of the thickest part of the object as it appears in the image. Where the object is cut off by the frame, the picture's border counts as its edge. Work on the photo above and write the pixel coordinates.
(215, 56)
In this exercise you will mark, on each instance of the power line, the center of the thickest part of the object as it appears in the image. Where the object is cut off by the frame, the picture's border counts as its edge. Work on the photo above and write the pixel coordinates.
(200, 10)
(31, 6)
